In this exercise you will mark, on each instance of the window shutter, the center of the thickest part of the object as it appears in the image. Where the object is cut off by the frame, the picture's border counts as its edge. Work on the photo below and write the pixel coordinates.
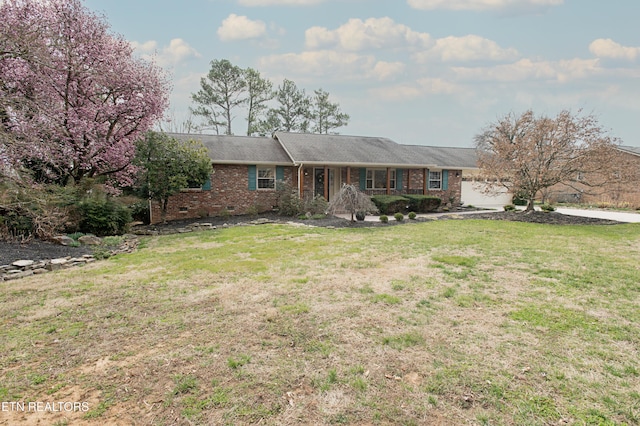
(207, 185)
(363, 178)
(252, 178)
(399, 179)
(279, 173)
(445, 180)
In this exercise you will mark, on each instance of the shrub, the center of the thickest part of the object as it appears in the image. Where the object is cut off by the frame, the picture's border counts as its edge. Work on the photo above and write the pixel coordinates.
(39, 210)
(253, 211)
(399, 217)
(509, 208)
(288, 202)
(353, 201)
(316, 205)
(390, 204)
(102, 215)
(423, 203)
(412, 215)
(140, 211)
(547, 208)
(384, 218)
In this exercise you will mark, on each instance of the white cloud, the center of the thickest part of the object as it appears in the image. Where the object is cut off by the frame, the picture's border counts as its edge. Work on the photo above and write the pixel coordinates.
(387, 70)
(373, 33)
(279, 2)
(607, 48)
(467, 48)
(422, 87)
(236, 27)
(528, 70)
(176, 52)
(483, 4)
(327, 63)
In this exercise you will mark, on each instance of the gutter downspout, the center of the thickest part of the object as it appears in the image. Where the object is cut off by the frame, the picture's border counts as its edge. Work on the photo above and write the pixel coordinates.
(300, 180)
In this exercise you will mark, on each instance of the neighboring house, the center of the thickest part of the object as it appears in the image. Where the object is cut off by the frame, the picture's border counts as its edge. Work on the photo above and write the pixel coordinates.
(245, 171)
(622, 189)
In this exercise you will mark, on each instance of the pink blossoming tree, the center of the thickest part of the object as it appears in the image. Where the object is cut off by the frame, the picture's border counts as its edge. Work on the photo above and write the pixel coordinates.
(72, 95)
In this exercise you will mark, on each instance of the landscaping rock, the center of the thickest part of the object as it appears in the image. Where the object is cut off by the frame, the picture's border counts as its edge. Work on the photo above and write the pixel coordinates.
(17, 274)
(90, 240)
(23, 263)
(64, 240)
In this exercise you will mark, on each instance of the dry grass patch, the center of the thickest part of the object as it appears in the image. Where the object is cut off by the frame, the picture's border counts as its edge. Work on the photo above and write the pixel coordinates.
(471, 322)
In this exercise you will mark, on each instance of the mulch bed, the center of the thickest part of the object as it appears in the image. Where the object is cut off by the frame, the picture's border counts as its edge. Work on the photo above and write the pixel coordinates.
(41, 250)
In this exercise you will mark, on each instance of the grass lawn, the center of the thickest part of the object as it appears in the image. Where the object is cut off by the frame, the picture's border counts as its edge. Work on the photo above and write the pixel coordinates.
(464, 322)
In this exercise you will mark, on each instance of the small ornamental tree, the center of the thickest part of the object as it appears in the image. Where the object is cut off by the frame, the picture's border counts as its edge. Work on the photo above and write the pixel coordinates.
(351, 200)
(528, 154)
(72, 93)
(168, 165)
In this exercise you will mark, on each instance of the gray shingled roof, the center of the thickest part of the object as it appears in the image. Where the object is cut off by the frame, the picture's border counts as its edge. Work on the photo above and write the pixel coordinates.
(443, 157)
(632, 149)
(225, 149)
(331, 150)
(316, 149)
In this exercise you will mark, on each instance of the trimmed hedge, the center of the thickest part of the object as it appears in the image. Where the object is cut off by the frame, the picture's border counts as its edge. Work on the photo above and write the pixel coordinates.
(423, 203)
(391, 204)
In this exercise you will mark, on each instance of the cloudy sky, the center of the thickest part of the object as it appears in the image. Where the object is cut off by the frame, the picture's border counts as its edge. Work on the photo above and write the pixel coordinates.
(425, 72)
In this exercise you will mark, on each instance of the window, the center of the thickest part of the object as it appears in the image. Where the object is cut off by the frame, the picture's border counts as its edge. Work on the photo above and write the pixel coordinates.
(435, 180)
(377, 178)
(266, 178)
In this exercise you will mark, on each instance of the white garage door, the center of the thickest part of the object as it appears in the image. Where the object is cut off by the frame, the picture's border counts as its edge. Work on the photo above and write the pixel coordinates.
(472, 194)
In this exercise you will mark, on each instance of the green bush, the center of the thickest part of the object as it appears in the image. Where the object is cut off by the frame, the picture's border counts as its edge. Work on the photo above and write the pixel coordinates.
(288, 202)
(140, 211)
(412, 215)
(399, 217)
(547, 208)
(384, 218)
(423, 203)
(316, 205)
(101, 215)
(509, 208)
(390, 204)
(519, 199)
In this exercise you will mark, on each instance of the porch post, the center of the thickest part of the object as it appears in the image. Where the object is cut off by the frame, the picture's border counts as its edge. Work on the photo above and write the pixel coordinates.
(425, 173)
(348, 175)
(408, 181)
(326, 183)
(389, 181)
(301, 181)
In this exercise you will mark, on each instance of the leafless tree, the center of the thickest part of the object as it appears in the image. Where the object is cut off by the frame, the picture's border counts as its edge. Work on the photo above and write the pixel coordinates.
(351, 200)
(529, 154)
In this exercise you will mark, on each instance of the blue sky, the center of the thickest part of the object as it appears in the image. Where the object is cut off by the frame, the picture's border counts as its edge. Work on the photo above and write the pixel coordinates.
(424, 72)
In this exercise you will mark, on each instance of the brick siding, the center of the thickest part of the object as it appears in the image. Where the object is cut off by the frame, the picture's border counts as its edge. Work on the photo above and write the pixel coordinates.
(230, 192)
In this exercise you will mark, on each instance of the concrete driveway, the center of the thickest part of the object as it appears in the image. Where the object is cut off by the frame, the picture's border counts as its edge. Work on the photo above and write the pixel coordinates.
(601, 214)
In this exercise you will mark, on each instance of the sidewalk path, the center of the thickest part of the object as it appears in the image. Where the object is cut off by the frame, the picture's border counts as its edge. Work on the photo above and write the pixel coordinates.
(599, 214)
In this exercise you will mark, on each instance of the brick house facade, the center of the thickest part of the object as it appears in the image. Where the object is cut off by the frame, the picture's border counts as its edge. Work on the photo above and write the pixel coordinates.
(245, 170)
(622, 187)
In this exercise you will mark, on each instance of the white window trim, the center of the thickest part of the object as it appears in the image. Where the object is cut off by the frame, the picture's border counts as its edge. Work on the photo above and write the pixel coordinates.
(392, 180)
(439, 187)
(258, 178)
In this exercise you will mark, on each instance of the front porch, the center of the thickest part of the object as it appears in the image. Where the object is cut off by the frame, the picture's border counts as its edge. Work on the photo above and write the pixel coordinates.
(327, 180)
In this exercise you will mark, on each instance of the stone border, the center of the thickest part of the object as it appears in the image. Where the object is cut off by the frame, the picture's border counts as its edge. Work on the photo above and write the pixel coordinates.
(25, 267)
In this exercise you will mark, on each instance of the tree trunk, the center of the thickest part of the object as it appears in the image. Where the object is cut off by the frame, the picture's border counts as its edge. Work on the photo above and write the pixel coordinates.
(163, 210)
(529, 205)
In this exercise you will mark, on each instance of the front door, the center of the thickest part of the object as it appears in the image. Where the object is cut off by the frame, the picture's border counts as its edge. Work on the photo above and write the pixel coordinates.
(318, 183)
